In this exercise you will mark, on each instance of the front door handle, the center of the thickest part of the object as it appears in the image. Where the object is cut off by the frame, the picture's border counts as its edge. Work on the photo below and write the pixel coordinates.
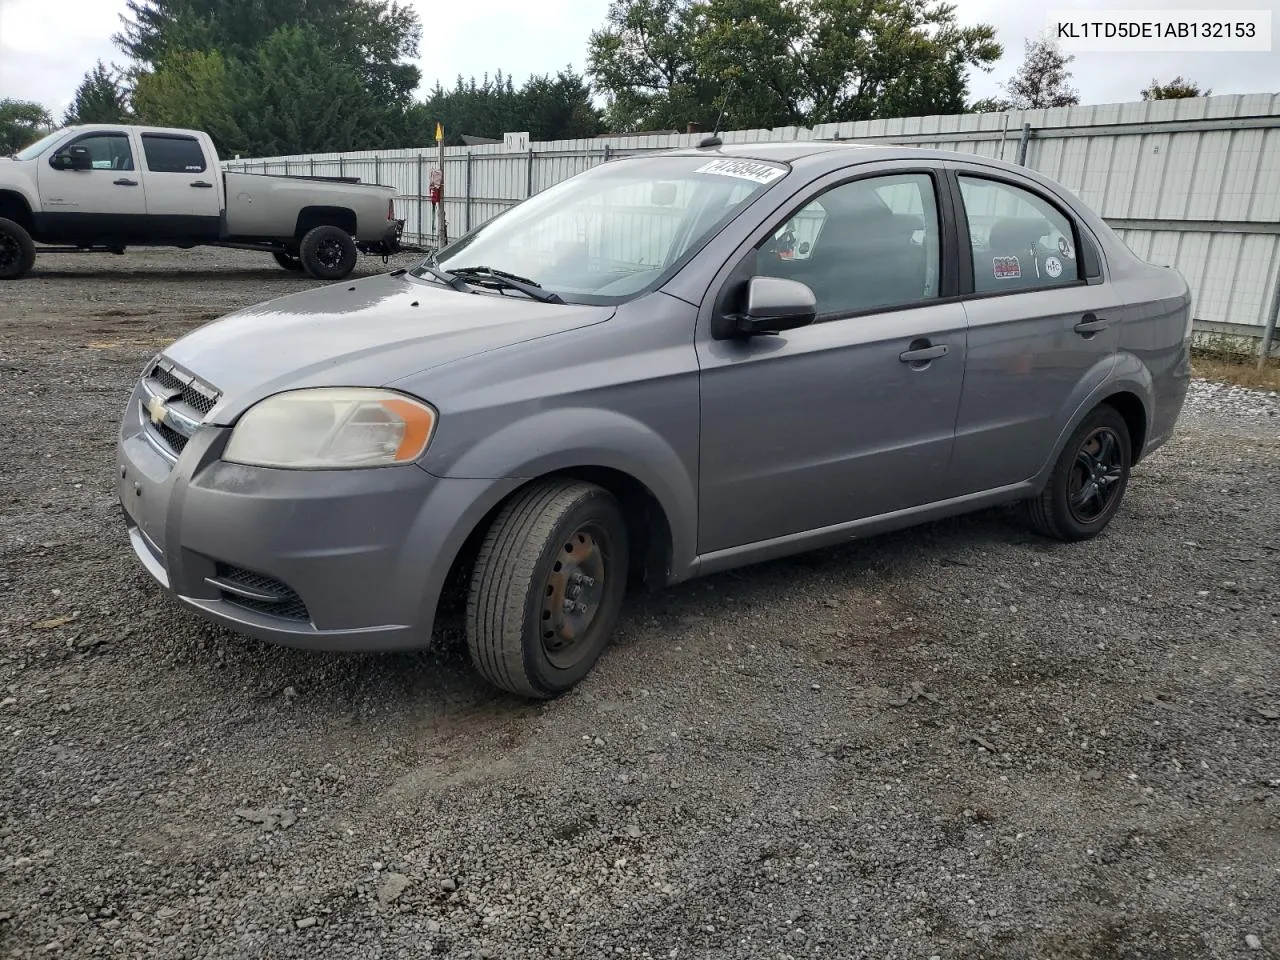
(1091, 324)
(922, 352)
(125, 182)
(203, 184)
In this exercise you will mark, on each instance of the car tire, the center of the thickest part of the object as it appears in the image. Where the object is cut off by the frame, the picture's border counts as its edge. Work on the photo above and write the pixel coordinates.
(288, 261)
(1088, 481)
(328, 252)
(547, 588)
(17, 251)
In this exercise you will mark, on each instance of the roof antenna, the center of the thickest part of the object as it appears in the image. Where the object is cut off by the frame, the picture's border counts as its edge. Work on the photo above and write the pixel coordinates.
(714, 140)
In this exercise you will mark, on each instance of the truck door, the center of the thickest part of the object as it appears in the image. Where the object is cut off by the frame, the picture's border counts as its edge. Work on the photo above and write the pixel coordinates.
(91, 190)
(182, 194)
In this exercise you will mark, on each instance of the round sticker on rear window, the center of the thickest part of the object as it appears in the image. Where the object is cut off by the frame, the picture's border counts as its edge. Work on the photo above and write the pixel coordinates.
(1053, 267)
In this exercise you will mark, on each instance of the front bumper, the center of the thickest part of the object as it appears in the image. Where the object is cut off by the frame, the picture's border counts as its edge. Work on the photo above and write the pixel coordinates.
(322, 559)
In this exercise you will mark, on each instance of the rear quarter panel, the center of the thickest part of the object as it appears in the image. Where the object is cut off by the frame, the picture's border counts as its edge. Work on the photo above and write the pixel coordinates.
(263, 206)
(1156, 339)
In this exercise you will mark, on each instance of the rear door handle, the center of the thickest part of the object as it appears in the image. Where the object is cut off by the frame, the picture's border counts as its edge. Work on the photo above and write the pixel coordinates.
(923, 353)
(125, 182)
(202, 183)
(1091, 324)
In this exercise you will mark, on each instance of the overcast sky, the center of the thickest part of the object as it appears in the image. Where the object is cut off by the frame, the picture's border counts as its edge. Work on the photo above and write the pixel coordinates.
(45, 46)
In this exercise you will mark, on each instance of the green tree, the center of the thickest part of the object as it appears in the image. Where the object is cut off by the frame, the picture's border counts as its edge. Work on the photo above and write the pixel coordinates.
(22, 122)
(550, 108)
(665, 63)
(196, 90)
(1175, 89)
(1043, 78)
(100, 98)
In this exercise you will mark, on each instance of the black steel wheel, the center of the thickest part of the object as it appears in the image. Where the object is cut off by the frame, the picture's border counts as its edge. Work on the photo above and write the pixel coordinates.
(547, 588)
(1088, 481)
(328, 252)
(17, 252)
(288, 261)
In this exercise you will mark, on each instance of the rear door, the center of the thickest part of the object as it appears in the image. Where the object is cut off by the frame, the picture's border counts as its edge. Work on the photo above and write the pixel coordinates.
(182, 195)
(1043, 326)
(104, 202)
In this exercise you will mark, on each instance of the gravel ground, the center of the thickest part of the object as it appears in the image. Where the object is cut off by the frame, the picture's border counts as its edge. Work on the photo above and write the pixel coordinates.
(956, 742)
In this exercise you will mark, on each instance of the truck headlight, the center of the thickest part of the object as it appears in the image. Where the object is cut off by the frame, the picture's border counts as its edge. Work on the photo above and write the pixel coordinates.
(332, 428)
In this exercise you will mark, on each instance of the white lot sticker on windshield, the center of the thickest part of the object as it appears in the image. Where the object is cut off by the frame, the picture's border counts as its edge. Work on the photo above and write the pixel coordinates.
(743, 170)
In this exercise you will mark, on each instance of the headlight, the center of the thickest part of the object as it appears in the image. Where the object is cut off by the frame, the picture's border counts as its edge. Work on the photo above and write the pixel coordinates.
(332, 428)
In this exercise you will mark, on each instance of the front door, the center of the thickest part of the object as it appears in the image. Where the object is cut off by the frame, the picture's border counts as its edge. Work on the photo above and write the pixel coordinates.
(104, 203)
(1042, 332)
(853, 416)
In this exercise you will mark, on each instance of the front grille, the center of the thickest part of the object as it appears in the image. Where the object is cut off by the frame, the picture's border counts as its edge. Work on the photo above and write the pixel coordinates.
(176, 441)
(187, 401)
(194, 394)
(276, 599)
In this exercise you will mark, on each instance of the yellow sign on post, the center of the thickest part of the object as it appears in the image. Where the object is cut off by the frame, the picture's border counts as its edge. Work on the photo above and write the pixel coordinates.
(439, 133)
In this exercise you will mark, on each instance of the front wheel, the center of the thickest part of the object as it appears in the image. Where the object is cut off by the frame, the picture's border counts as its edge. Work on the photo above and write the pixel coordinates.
(288, 261)
(17, 252)
(1088, 481)
(547, 588)
(328, 252)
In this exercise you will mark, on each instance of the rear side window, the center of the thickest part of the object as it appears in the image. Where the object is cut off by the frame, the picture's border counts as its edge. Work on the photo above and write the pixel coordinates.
(1019, 240)
(172, 154)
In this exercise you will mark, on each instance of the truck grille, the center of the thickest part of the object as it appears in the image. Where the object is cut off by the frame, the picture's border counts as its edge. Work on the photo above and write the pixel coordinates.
(172, 405)
(258, 592)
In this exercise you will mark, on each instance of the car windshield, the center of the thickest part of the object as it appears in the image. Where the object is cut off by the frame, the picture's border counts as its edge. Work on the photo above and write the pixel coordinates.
(613, 232)
(37, 148)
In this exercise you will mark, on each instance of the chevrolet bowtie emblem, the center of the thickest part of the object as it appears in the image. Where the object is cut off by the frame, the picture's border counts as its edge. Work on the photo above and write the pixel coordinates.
(157, 409)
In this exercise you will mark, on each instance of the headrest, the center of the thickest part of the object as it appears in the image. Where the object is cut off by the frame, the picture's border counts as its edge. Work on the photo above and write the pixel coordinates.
(1018, 233)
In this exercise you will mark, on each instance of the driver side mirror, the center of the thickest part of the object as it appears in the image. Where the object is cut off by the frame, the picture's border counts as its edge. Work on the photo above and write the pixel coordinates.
(775, 304)
(73, 158)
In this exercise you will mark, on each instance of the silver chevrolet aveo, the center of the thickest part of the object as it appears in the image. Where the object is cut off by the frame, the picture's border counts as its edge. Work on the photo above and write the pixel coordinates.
(664, 367)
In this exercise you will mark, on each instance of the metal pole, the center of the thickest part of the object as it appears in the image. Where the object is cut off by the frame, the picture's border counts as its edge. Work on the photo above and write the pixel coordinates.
(342, 166)
(442, 222)
(607, 151)
(1022, 144)
(311, 164)
(1269, 333)
(377, 169)
(528, 179)
(422, 227)
(466, 210)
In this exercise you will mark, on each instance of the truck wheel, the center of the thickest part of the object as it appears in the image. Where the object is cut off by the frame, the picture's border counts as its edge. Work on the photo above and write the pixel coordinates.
(17, 252)
(547, 588)
(328, 252)
(288, 261)
(1088, 481)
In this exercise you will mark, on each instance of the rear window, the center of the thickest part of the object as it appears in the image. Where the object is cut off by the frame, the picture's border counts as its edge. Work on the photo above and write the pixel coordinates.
(167, 154)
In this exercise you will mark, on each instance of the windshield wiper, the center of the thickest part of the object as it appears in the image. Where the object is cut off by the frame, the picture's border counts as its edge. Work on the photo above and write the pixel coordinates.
(457, 283)
(500, 278)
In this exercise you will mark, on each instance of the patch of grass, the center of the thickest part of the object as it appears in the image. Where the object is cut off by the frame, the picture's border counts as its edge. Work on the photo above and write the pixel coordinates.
(1236, 368)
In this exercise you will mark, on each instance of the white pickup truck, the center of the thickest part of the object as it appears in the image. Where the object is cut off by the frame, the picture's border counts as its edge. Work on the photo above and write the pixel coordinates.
(107, 187)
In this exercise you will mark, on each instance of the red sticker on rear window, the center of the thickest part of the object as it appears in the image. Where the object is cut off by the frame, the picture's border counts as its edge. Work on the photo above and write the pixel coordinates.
(1006, 268)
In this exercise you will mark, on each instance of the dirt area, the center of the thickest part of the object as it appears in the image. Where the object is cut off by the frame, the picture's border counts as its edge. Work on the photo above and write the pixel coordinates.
(957, 742)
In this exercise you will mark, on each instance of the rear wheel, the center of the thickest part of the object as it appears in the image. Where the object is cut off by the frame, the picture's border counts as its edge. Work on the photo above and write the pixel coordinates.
(328, 252)
(547, 588)
(1088, 481)
(17, 252)
(288, 261)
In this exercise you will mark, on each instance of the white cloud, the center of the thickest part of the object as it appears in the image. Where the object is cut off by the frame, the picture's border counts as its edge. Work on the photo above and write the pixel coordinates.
(45, 47)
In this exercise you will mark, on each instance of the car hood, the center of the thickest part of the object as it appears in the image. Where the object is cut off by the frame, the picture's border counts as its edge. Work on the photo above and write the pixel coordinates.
(367, 333)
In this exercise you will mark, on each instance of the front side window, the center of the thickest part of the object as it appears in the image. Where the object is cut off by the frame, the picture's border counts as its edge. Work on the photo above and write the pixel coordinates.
(1019, 240)
(107, 151)
(864, 245)
(167, 154)
(616, 230)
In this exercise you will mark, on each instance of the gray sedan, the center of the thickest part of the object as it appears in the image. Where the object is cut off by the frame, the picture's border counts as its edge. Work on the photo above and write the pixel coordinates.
(664, 367)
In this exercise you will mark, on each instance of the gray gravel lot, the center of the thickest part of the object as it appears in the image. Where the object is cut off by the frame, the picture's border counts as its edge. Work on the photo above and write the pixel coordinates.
(957, 742)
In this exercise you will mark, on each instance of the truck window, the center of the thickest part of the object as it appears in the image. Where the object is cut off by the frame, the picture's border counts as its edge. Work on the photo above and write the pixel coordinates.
(107, 151)
(167, 153)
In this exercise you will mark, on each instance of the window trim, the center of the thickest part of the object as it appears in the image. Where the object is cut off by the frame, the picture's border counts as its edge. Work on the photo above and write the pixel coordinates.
(964, 247)
(173, 136)
(948, 271)
(133, 158)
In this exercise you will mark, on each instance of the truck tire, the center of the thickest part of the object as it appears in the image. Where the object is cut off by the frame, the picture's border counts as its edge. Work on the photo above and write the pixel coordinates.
(328, 252)
(17, 252)
(288, 261)
(547, 588)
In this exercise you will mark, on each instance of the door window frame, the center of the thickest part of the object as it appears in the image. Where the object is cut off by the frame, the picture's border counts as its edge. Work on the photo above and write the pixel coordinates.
(67, 145)
(1089, 269)
(204, 160)
(738, 267)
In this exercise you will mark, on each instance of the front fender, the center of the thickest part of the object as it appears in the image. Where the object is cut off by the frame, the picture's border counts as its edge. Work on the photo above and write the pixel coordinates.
(1120, 373)
(578, 437)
